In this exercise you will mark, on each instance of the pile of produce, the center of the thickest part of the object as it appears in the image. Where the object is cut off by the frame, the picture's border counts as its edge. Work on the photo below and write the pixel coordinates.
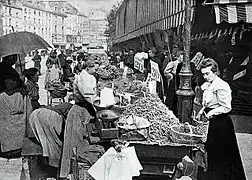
(183, 128)
(109, 72)
(138, 88)
(187, 134)
(160, 117)
(122, 84)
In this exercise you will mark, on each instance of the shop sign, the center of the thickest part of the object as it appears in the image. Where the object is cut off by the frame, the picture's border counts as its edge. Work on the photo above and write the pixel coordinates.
(155, 74)
(139, 64)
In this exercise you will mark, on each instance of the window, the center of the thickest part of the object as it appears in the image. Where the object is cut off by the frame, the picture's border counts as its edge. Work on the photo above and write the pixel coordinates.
(34, 11)
(55, 28)
(6, 9)
(34, 30)
(25, 18)
(17, 14)
(39, 13)
(34, 20)
(10, 11)
(6, 31)
(25, 10)
(55, 8)
(6, 22)
(9, 21)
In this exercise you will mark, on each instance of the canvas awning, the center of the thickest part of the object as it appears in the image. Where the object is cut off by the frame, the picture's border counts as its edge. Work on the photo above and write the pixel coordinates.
(233, 11)
(136, 18)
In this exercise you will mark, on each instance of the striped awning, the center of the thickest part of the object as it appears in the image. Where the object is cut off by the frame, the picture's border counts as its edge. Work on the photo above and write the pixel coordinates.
(233, 11)
(136, 18)
(231, 1)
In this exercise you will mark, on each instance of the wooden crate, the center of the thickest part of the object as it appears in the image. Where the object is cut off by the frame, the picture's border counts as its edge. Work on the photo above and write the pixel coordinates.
(109, 133)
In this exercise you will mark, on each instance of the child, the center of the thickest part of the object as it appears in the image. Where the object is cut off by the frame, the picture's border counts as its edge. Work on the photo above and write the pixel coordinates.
(32, 75)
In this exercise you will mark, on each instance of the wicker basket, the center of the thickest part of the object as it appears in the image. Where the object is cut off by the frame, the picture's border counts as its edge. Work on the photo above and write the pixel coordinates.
(185, 138)
(203, 126)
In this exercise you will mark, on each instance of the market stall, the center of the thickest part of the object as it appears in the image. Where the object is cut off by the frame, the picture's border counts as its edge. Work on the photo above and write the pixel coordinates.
(140, 118)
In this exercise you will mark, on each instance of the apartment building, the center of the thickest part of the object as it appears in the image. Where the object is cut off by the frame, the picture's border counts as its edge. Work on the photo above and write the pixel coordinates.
(12, 16)
(37, 19)
(58, 22)
(71, 25)
(97, 26)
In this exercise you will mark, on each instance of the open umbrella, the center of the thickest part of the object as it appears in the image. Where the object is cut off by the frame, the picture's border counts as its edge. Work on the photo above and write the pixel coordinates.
(21, 43)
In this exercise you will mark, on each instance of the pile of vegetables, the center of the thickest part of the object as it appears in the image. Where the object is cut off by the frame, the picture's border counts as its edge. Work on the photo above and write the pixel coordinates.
(160, 117)
(109, 72)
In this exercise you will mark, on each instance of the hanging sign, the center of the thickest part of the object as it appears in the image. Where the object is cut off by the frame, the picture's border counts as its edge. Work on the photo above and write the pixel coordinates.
(139, 64)
(240, 74)
(155, 74)
(245, 62)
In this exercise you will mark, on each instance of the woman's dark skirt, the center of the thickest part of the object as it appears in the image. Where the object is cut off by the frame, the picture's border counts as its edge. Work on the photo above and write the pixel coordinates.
(224, 161)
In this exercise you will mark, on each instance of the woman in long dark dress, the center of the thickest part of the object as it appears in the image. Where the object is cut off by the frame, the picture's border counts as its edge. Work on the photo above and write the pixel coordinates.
(224, 161)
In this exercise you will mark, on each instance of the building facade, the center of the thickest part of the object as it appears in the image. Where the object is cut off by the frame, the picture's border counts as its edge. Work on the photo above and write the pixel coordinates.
(97, 27)
(38, 20)
(71, 25)
(58, 22)
(12, 16)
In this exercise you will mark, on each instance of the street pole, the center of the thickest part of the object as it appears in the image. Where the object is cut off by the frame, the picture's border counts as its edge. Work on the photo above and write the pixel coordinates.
(185, 92)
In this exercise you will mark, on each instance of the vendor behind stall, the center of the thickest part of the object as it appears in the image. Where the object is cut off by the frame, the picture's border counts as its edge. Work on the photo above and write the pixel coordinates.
(85, 87)
(10, 81)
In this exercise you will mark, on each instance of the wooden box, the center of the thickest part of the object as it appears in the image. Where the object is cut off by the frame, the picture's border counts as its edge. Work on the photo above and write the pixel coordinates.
(106, 133)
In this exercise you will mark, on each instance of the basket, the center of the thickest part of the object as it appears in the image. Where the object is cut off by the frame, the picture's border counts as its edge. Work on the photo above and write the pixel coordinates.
(203, 126)
(183, 137)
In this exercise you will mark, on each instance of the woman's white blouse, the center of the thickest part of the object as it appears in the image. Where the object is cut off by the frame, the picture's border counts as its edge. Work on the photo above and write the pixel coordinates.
(217, 96)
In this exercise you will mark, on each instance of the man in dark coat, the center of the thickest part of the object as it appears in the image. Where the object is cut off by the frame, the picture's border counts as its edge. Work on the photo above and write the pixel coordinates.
(62, 57)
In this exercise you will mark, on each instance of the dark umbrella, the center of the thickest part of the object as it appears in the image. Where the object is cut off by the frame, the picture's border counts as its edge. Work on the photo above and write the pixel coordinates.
(21, 43)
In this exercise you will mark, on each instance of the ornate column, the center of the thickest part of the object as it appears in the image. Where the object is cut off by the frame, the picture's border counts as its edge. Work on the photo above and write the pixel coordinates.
(185, 92)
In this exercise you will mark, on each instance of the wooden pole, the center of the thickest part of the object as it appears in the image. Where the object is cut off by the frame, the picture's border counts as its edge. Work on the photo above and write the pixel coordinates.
(185, 92)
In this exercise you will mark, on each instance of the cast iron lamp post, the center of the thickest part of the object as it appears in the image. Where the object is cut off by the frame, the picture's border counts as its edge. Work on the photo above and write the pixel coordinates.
(185, 92)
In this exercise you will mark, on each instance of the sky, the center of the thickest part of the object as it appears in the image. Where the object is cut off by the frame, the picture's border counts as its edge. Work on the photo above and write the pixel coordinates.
(88, 5)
